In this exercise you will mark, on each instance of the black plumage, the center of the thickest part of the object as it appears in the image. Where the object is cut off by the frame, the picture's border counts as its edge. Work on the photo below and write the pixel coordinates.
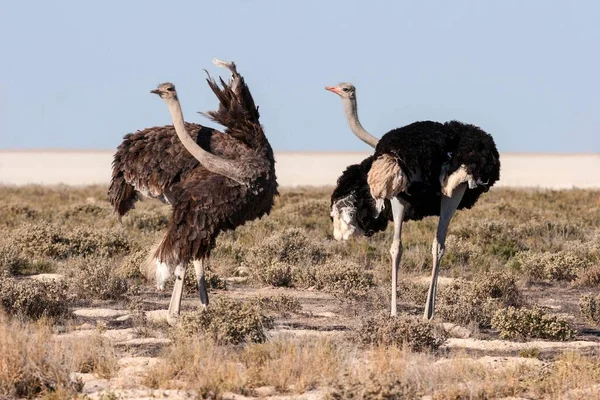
(422, 150)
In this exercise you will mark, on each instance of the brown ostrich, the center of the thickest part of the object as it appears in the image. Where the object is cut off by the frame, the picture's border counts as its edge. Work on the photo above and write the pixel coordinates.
(214, 181)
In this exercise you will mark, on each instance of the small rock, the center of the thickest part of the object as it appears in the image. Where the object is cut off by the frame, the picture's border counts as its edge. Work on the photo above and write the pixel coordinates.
(325, 314)
(99, 313)
(85, 326)
(237, 279)
(47, 277)
(120, 335)
(124, 318)
(144, 342)
(157, 315)
(456, 331)
(95, 385)
(264, 391)
(146, 394)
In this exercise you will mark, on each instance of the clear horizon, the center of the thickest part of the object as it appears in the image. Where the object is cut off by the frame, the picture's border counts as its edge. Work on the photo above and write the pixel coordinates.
(77, 76)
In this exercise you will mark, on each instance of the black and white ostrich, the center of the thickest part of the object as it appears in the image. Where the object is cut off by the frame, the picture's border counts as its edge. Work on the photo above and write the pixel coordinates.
(422, 169)
(214, 181)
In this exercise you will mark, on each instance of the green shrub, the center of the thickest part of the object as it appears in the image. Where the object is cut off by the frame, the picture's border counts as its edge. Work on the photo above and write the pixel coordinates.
(147, 221)
(273, 260)
(228, 322)
(46, 240)
(590, 309)
(280, 303)
(86, 211)
(11, 260)
(498, 238)
(588, 277)
(403, 330)
(524, 323)
(130, 267)
(559, 266)
(464, 302)
(32, 298)
(95, 278)
(340, 277)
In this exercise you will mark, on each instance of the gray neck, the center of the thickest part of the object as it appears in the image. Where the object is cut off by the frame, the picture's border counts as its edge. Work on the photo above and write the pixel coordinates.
(351, 110)
(217, 165)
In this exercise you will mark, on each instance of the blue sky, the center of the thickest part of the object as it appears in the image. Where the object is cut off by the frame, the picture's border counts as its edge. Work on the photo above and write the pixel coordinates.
(77, 74)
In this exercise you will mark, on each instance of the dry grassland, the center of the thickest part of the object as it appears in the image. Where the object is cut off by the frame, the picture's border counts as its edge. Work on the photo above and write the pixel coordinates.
(294, 313)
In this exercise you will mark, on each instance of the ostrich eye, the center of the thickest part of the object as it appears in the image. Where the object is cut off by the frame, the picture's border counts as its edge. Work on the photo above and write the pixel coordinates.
(345, 89)
(170, 88)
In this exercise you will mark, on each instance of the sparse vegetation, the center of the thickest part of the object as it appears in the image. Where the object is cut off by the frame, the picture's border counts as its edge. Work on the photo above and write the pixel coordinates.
(515, 251)
(33, 365)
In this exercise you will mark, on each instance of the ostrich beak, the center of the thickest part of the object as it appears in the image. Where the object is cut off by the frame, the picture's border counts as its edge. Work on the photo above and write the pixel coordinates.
(155, 91)
(333, 89)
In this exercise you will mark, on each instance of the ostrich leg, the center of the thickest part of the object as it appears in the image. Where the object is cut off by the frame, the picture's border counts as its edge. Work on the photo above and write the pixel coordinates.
(448, 207)
(201, 279)
(175, 304)
(396, 249)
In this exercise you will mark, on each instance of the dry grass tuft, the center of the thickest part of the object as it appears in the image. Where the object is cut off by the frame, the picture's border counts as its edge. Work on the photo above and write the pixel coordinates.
(524, 323)
(32, 365)
(403, 331)
(29, 366)
(292, 259)
(130, 267)
(228, 322)
(301, 363)
(197, 362)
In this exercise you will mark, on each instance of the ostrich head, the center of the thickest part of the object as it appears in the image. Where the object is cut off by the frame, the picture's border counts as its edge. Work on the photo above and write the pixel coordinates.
(353, 210)
(345, 90)
(343, 214)
(165, 91)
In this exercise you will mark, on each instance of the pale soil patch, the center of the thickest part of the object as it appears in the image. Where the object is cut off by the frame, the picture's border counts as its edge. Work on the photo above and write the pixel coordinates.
(507, 346)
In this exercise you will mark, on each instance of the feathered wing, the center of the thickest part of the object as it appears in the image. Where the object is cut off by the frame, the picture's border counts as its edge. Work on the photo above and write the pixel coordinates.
(474, 160)
(152, 160)
(237, 111)
(204, 205)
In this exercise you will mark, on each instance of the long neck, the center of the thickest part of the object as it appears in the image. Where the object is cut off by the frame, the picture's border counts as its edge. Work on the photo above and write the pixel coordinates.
(351, 110)
(211, 162)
